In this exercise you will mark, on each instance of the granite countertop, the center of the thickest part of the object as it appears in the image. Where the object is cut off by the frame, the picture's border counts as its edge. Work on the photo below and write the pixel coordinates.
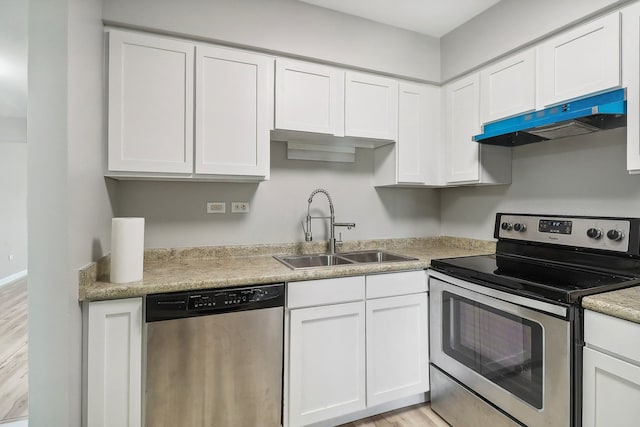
(624, 304)
(171, 270)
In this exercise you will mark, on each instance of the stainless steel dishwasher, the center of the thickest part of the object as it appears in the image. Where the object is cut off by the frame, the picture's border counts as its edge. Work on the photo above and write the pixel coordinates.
(214, 357)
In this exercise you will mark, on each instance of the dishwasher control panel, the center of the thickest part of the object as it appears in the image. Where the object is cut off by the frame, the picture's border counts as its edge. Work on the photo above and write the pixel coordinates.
(230, 298)
(212, 301)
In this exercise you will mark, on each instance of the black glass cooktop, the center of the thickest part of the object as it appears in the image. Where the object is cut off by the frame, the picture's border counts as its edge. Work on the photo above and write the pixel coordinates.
(535, 278)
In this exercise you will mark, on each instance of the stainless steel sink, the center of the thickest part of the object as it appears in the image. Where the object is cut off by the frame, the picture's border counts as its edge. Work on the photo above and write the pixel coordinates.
(375, 256)
(297, 262)
(312, 261)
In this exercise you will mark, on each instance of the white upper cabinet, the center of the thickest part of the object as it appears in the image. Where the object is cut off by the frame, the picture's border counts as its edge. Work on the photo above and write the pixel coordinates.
(508, 88)
(152, 82)
(631, 80)
(466, 161)
(416, 158)
(150, 104)
(580, 61)
(371, 106)
(414, 135)
(462, 121)
(234, 112)
(309, 97)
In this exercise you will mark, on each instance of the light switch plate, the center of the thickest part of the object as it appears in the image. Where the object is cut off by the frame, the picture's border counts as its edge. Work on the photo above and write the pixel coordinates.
(216, 207)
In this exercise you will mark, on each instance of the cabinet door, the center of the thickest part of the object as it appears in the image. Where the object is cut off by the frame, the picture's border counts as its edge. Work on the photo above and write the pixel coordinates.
(414, 134)
(326, 362)
(114, 363)
(371, 106)
(233, 106)
(508, 88)
(631, 80)
(397, 348)
(309, 97)
(462, 121)
(581, 61)
(150, 104)
(611, 391)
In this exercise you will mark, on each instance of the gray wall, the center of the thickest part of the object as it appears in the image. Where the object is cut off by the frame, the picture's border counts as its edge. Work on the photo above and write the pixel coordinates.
(65, 157)
(13, 216)
(582, 175)
(290, 27)
(507, 26)
(175, 212)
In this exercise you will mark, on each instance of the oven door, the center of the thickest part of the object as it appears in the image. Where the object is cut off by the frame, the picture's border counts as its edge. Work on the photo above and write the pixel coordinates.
(514, 356)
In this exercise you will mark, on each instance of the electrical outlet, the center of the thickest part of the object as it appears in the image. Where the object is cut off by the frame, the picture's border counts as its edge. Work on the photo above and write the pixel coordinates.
(216, 207)
(239, 207)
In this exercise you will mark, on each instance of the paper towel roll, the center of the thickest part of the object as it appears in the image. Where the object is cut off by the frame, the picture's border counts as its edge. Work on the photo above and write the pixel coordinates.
(127, 249)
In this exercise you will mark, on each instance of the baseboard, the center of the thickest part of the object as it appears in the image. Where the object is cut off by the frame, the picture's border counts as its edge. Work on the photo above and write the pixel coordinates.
(369, 412)
(13, 278)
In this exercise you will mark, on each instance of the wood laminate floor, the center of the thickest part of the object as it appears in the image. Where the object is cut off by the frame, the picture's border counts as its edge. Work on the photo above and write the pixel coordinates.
(13, 352)
(413, 416)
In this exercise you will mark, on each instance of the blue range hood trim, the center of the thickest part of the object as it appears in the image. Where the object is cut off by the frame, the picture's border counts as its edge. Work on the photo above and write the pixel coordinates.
(610, 103)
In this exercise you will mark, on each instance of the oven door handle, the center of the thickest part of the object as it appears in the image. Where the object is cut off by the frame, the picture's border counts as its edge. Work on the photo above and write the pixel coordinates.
(553, 309)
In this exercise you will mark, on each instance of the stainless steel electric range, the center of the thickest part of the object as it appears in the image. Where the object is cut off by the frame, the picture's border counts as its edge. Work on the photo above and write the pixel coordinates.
(506, 329)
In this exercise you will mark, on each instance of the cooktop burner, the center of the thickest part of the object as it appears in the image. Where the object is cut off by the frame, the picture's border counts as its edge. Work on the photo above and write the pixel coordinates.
(555, 258)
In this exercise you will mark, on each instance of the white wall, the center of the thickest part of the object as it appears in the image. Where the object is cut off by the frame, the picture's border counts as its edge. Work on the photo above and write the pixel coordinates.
(13, 215)
(290, 27)
(175, 212)
(577, 176)
(507, 26)
(65, 154)
(13, 135)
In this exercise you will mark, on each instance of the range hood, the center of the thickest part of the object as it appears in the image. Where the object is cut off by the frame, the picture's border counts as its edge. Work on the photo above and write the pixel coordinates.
(598, 112)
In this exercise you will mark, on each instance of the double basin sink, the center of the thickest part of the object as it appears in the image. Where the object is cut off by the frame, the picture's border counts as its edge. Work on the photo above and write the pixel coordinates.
(297, 262)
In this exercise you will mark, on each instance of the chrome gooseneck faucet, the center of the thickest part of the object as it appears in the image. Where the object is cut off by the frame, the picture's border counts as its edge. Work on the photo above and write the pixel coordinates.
(332, 221)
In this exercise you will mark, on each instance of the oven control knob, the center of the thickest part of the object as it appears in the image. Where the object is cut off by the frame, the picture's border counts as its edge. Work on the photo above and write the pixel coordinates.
(520, 227)
(506, 226)
(594, 233)
(615, 234)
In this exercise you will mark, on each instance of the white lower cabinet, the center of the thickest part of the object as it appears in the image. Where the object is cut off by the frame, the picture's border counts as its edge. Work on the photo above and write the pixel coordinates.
(611, 372)
(611, 391)
(397, 348)
(327, 362)
(113, 360)
(363, 343)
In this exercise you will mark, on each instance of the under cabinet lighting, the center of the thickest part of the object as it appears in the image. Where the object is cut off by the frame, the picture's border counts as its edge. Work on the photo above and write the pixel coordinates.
(325, 153)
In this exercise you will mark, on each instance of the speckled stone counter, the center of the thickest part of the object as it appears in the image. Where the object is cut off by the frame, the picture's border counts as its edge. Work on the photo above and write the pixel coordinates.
(170, 270)
(624, 304)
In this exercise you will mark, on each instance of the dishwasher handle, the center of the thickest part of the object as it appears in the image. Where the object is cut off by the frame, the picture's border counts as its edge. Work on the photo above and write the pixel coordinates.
(180, 305)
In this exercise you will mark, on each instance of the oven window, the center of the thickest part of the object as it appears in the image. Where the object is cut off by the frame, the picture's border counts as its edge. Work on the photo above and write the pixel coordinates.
(504, 348)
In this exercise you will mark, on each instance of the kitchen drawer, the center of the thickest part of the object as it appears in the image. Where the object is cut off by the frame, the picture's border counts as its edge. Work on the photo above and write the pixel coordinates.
(612, 334)
(325, 291)
(392, 284)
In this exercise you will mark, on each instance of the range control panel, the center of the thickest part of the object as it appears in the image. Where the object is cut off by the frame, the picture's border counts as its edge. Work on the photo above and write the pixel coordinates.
(596, 233)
